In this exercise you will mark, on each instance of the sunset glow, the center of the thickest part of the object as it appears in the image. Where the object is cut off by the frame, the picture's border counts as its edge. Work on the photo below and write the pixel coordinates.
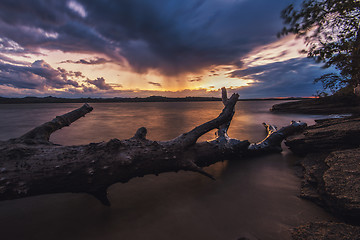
(81, 52)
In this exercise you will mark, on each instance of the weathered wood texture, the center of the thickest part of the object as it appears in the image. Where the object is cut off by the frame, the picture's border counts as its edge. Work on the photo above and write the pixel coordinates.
(32, 165)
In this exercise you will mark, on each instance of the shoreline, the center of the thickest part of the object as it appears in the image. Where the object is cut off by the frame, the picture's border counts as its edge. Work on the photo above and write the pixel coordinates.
(328, 105)
(331, 170)
(120, 100)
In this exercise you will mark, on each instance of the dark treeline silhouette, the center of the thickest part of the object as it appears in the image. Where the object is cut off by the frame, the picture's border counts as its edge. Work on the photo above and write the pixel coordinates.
(51, 99)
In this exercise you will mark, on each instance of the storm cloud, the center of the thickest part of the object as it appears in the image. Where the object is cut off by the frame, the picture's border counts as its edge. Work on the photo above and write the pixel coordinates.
(38, 75)
(171, 36)
(100, 83)
(154, 84)
(291, 78)
(94, 61)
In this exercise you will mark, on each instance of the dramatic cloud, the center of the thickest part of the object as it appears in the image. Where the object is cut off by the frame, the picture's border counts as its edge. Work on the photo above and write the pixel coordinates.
(77, 74)
(170, 36)
(155, 84)
(100, 83)
(76, 7)
(10, 46)
(202, 43)
(293, 77)
(238, 63)
(36, 76)
(94, 61)
(4, 58)
(197, 79)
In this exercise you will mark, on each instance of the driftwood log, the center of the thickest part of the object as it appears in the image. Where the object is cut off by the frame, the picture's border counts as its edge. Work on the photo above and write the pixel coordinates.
(32, 165)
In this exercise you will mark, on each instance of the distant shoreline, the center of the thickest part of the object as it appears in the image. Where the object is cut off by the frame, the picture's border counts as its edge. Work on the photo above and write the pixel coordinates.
(4, 100)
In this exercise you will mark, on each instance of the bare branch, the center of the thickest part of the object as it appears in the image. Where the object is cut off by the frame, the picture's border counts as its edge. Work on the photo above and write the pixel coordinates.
(224, 96)
(222, 132)
(42, 133)
(272, 142)
(190, 138)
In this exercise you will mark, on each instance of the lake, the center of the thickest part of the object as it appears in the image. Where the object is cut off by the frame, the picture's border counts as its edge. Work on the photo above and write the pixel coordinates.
(255, 198)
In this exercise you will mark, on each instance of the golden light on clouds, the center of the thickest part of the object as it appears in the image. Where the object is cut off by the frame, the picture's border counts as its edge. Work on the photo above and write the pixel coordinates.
(121, 77)
(284, 49)
(114, 73)
(136, 48)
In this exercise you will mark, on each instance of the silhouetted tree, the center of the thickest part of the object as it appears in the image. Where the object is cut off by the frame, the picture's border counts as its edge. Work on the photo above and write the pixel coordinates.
(331, 32)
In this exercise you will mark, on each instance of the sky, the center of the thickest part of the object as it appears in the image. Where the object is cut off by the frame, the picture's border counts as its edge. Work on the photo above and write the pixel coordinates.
(140, 48)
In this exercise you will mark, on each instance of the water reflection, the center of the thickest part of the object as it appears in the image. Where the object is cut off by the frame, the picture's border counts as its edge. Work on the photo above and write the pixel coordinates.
(254, 197)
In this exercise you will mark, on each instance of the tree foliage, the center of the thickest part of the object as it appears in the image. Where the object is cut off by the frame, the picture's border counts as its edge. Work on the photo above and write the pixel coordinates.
(331, 32)
(332, 82)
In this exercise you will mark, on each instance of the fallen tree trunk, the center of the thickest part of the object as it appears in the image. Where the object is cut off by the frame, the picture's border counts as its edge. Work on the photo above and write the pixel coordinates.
(32, 165)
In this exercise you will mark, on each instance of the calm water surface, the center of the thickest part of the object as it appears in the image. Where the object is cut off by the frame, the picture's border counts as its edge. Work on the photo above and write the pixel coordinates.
(254, 198)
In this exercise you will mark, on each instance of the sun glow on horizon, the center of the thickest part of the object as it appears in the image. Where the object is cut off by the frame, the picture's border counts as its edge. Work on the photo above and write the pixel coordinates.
(121, 79)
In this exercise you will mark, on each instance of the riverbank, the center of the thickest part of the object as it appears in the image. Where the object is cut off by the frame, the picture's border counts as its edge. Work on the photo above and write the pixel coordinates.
(50, 99)
(253, 197)
(328, 105)
(331, 167)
